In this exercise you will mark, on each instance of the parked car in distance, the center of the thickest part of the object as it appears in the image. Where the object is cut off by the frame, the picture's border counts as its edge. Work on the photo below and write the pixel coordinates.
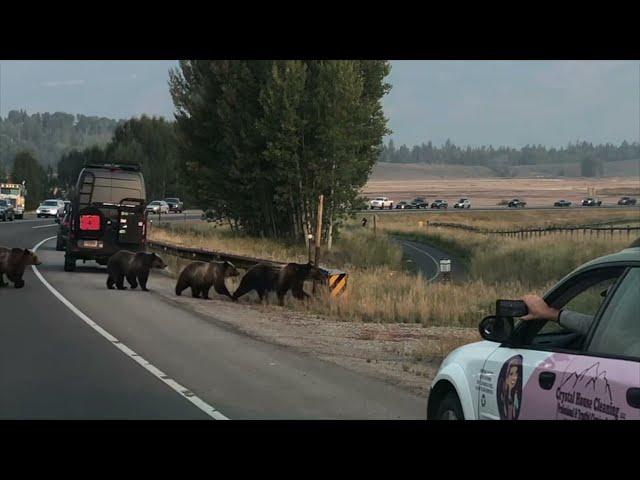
(516, 203)
(541, 369)
(419, 202)
(63, 232)
(175, 205)
(50, 208)
(462, 203)
(158, 206)
(562, 203)
(627, 201)
(7, 212)
(381, 203)
(439, 204)
(404, 205)
(591, 202)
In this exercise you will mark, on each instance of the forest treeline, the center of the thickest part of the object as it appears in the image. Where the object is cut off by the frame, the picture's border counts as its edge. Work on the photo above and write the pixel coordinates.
(49, 135)
(590, 157)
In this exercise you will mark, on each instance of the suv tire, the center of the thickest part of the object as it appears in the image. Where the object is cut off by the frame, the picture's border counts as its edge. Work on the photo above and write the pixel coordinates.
(450, 408)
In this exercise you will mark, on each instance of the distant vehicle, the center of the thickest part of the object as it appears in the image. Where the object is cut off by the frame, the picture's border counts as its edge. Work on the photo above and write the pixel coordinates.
(591, 202)
(63, 232)
(516, 203)
(107, 214)
(627, 201)
(158, 206)
(439, 204)
(462, 203)
(16, 194)
(175, 205)
(50, 208)
(7, 212)
(419, 202)
(381, 203)
(562, 203)
(535, 370)
(404, 205)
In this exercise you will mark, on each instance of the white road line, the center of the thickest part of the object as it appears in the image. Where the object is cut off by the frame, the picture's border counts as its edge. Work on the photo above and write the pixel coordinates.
(183, 391)
(46, 226)
(433, 259)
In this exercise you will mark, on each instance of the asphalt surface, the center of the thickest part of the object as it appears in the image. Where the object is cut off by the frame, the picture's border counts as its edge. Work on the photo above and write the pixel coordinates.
(462, 211)
(427, 258)
(55, 365)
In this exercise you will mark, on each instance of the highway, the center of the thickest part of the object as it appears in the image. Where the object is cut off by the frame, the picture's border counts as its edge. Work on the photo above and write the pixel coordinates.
(496, 208)
(71, 349)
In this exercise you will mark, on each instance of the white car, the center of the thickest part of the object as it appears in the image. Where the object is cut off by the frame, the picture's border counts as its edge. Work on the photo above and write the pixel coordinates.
(50, 208)
(158, 206)
(462, 203)
(381, 203)
(542, 370)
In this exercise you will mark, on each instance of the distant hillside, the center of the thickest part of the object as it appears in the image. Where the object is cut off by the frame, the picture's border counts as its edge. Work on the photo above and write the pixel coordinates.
(620, 168)
(49, 135)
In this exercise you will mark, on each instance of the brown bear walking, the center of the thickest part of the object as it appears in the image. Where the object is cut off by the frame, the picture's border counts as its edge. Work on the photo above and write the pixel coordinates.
(134, 267)
(265, 278)
(201, 276)
(13, 261)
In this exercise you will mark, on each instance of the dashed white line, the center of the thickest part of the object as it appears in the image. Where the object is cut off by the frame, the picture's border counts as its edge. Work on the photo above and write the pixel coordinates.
(46, 226)
(181, 390)
(433, 259)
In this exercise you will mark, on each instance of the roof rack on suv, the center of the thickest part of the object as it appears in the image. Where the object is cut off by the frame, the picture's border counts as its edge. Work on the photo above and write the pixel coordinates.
(111, 166)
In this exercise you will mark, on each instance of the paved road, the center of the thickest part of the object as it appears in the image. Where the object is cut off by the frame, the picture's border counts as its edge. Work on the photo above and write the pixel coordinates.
(427, 259)
(496, 208)
(133, 355)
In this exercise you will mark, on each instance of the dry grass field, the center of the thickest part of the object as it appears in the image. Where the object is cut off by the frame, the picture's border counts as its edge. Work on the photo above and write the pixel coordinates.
(489, 192)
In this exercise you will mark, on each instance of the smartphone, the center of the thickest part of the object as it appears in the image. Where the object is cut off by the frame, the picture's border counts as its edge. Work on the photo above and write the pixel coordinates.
(511, 308)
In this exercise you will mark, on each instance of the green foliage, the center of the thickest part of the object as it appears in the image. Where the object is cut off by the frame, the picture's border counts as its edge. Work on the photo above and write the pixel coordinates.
(50, 135)
(261, 140)
(591, 166)
(26, 168)
(500, 159)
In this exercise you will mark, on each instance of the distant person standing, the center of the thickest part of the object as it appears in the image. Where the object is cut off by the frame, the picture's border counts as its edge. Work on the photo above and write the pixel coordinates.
(364, 222)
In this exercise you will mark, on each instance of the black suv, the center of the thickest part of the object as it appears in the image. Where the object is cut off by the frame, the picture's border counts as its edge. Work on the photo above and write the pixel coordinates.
(107, 214)
(516, 203)
(439, 204)
(419, 202)
(591, 202)
(627, 201)
(175, 205)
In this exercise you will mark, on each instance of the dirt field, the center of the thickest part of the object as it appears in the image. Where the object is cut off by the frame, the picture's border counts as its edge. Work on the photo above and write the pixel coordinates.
(486, 192)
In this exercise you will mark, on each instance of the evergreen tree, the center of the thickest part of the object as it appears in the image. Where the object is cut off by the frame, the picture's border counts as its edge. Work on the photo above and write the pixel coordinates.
(26, 168)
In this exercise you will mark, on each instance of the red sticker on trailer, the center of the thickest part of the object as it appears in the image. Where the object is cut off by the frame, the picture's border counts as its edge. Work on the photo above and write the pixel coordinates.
(90, 222)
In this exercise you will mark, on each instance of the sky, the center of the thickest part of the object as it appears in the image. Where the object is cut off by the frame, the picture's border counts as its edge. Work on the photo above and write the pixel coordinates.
(478, 102)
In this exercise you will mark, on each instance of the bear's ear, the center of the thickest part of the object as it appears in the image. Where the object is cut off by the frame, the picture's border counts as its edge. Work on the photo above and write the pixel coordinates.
(26, 252)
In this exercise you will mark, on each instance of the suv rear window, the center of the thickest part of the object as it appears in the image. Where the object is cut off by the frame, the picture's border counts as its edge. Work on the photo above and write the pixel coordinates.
(109, 186)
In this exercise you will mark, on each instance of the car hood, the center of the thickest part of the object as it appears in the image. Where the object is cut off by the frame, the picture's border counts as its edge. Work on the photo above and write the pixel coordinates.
(471, 352)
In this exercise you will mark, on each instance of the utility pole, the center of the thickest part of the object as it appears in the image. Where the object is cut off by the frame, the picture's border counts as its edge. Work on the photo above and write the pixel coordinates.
(316, 263)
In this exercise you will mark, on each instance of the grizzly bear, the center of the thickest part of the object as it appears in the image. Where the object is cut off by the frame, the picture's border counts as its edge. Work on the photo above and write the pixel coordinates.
(13, 261)
(264, 278)
(134, 267)
(200, 276)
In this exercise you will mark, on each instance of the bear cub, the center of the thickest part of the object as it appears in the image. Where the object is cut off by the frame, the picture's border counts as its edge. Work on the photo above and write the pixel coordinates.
(201, 276)
(13, 261)
(264, 278)
(134, 267)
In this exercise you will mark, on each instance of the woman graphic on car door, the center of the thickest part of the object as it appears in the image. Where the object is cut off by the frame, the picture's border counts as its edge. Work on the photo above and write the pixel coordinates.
(510, 388)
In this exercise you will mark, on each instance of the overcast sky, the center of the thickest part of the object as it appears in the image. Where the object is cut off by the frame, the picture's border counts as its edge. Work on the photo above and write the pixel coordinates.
(471, 102)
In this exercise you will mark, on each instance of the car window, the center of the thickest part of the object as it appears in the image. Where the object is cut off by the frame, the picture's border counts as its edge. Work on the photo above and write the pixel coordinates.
(587, 302)
(618, 331)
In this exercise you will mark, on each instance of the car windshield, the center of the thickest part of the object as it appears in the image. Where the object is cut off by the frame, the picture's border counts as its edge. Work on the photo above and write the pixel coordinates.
(154, 203)
(50, 203)
(171, 200)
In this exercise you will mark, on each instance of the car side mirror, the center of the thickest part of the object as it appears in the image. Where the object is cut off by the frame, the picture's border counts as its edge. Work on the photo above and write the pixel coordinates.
(496, 329)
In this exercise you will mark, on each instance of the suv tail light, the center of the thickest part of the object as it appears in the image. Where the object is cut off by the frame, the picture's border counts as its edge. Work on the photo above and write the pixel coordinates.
(90, 222)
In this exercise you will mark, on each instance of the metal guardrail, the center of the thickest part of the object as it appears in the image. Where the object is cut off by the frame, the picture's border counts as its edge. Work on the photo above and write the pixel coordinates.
(335, 279)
